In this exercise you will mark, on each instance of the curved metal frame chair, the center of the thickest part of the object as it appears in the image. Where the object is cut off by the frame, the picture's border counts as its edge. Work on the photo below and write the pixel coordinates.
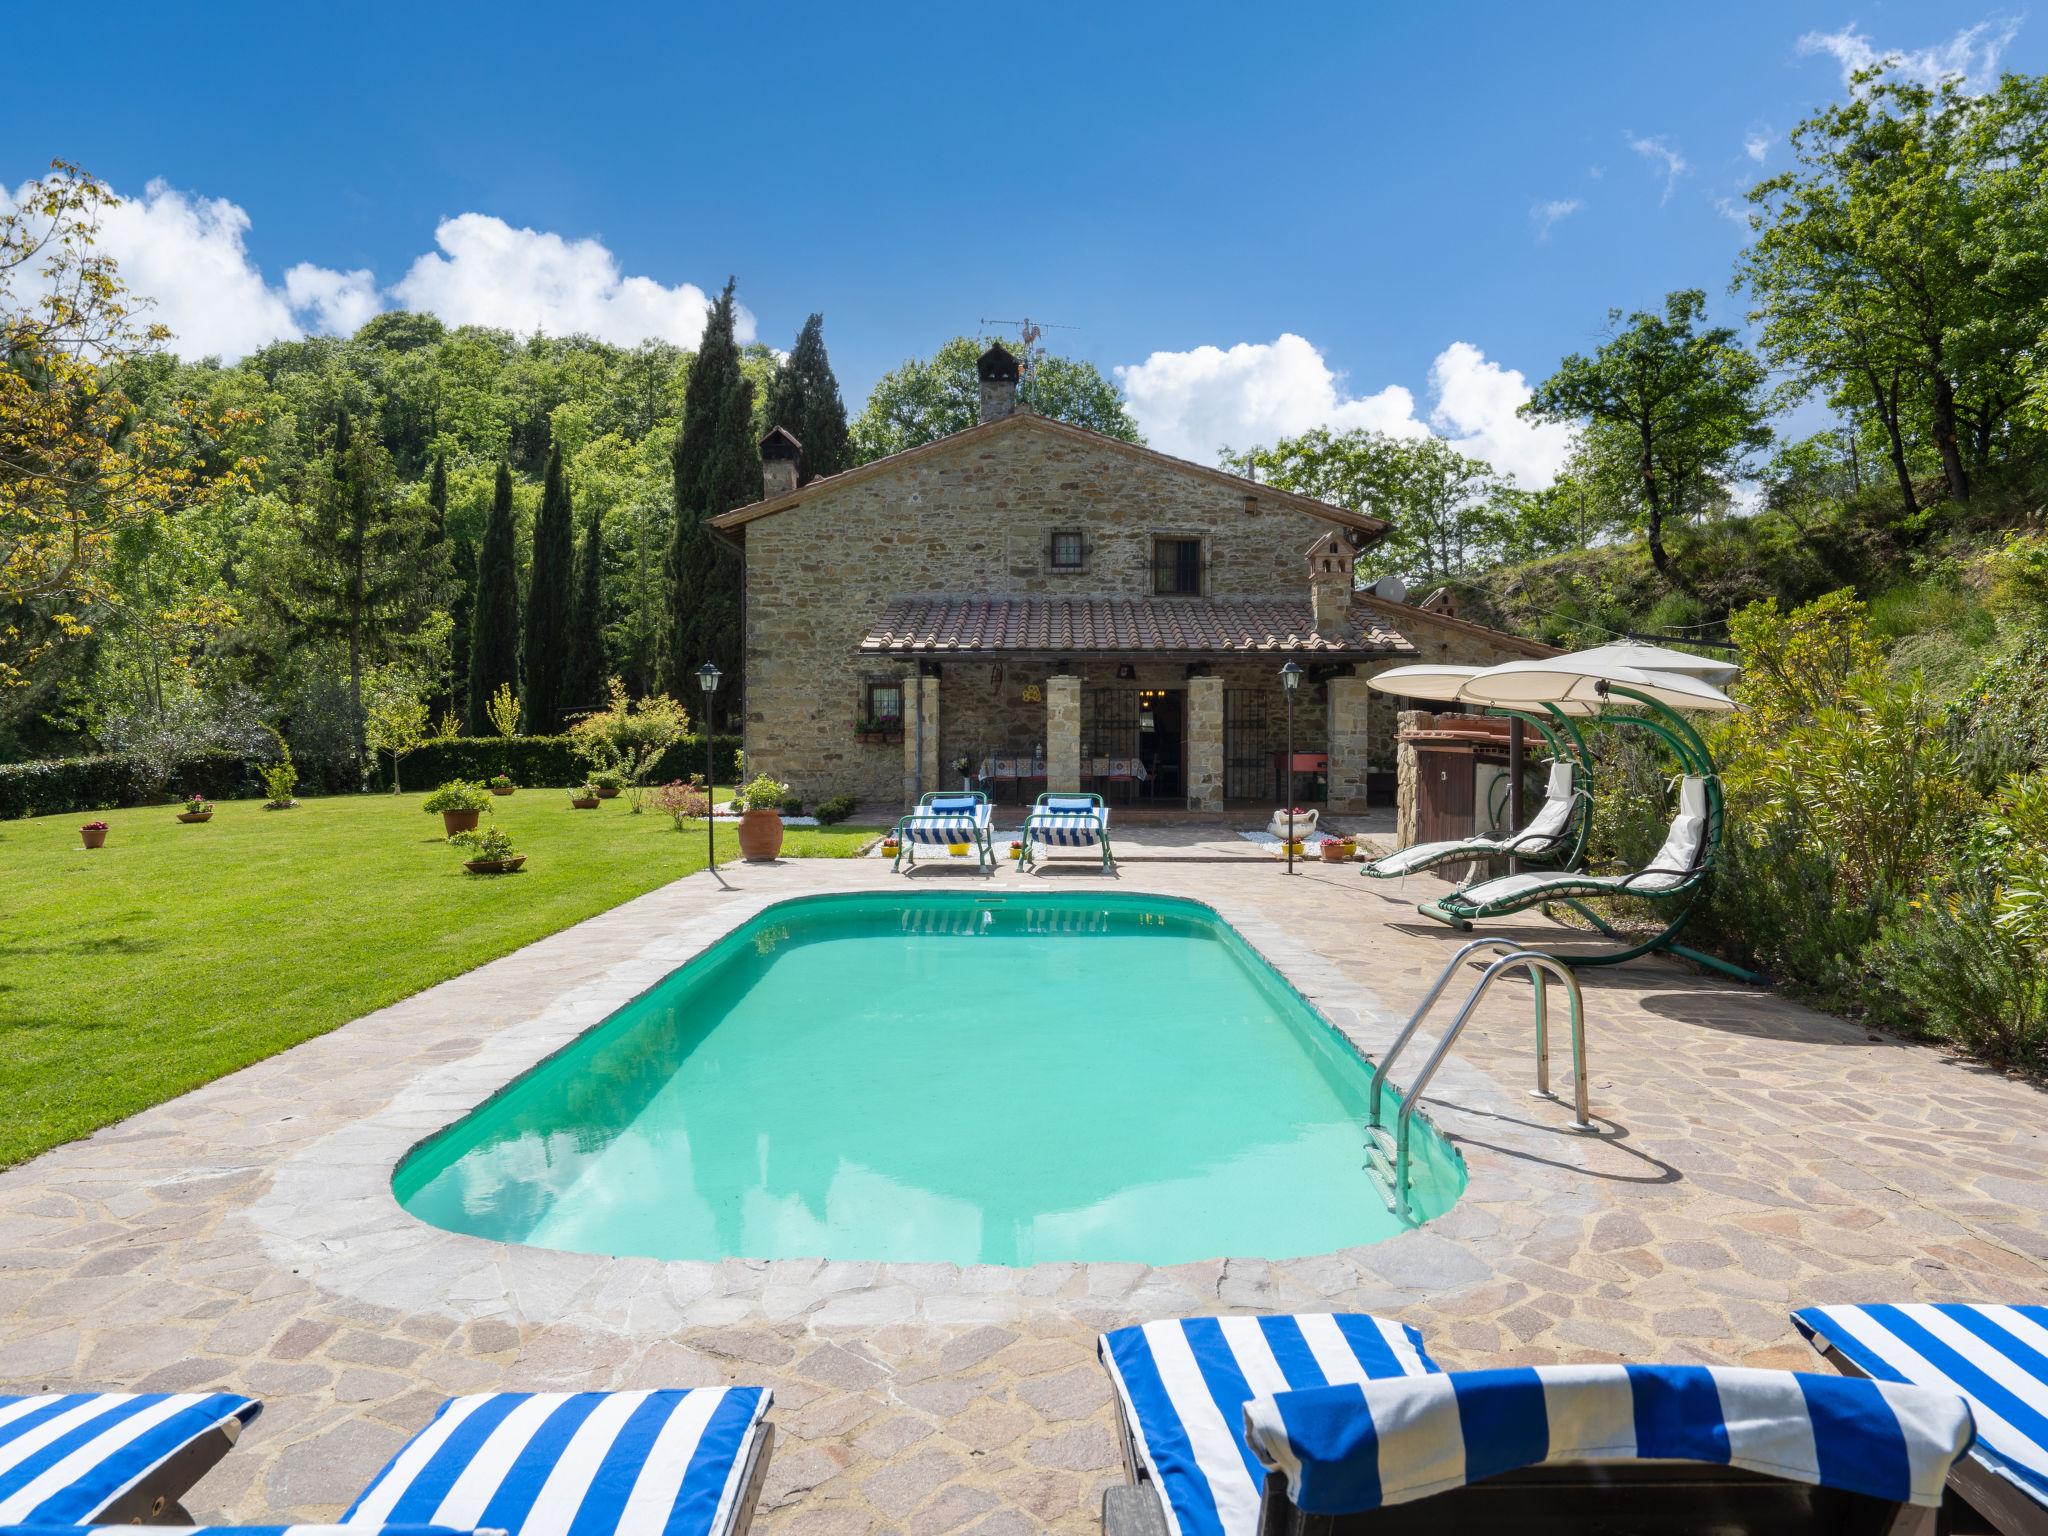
(944, 817)
(1067, 819)
(1574, 888)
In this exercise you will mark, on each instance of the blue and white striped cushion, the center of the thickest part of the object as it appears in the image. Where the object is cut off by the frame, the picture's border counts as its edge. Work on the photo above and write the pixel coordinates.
(1344, 1449)
(667, 1463)
(1997, 1357)
(1184, 1383)
(64, 1457)
(248, 1530)
(1064, 829)
(935, 829)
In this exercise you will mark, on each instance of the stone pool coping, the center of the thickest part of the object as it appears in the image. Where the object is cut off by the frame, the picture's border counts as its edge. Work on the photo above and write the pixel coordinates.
(330, 1215)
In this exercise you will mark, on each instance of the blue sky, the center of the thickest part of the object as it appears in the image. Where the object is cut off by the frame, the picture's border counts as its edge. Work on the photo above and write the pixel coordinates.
(1427, 197)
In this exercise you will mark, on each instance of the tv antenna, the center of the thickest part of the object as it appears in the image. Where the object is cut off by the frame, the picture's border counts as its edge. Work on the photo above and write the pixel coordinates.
(1028, 332)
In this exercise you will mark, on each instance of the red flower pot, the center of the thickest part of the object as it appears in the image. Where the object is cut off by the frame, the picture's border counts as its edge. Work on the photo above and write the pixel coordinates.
(93, 837)
(453, 822)
(760, 836)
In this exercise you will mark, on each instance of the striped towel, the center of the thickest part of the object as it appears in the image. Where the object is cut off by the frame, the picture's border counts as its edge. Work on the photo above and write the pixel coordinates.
(1997, 1357)
(247, 1530)
(1065, 829)
(1344, 1449)
(66, 1456)
(1184, 1384)
(670, 1463)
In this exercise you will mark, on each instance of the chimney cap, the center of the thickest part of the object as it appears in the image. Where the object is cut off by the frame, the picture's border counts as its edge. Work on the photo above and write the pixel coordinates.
(997, 364)
(780, 443)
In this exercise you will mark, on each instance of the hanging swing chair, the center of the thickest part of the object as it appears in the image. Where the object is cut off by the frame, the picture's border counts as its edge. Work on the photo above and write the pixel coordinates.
(1556, 834)
(1594, 681)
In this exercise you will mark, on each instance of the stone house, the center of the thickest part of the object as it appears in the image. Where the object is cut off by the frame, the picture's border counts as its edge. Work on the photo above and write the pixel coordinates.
(1054, 608)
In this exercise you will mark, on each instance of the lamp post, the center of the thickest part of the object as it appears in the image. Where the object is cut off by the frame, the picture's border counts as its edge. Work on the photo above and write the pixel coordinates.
(707, 679)
(1290, 680)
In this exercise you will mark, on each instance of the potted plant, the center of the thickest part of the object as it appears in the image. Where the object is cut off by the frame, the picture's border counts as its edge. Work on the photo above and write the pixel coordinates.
(608, 782)
(93, 834)
(490, 851)
(1334, 851)
(460, 802)
(501, 784)
(866, 732)
(1017, 851)
(891, 844)
(583, 797)
(197, 808)
(760, 805)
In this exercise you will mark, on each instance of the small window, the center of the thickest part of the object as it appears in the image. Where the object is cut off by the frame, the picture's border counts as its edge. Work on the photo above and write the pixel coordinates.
(1068, 549)
(1177, 567)
(884, 703)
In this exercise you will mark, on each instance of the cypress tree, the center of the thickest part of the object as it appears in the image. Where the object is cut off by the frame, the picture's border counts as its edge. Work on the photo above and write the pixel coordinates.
(804, 397)
(544, 652)
(451, 696)
(717, 465)
(494, 619)
(586, 621)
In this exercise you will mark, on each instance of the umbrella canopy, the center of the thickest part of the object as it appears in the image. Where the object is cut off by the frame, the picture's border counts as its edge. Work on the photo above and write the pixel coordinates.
(1657, 658)
(1438, 681)
(1575, 683)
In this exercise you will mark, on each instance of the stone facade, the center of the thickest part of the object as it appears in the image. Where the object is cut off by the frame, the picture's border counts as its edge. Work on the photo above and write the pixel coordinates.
(974, 515)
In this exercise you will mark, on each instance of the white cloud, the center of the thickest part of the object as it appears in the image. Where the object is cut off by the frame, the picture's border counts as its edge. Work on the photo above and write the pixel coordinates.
(489, 273)
(1971, 56)
(1545, 214)
(1194, 403)
(189, 256)
(1757, 146)
(1734, 211)
(338, 302)
(1658, 151)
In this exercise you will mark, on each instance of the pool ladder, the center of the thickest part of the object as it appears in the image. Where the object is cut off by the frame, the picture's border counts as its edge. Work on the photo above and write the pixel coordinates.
(1387, 1152)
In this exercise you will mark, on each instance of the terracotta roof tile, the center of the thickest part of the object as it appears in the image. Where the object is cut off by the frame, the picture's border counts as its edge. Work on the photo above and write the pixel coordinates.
(1142, 625)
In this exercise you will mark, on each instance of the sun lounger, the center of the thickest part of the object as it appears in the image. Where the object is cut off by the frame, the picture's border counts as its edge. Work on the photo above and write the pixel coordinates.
(1552, 833)
(111, 1458)
(1067, 821)
(947, 820)
(1996, 1357)
(1182, 1386)
(1661, 1449)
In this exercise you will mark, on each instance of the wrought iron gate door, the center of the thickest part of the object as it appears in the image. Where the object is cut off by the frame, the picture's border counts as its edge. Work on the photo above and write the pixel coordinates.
(1109, 724)
(1247, 760)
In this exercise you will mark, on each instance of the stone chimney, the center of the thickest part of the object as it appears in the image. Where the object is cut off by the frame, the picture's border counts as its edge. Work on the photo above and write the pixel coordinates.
(780, 452)
(1331, 562)
(998, 370)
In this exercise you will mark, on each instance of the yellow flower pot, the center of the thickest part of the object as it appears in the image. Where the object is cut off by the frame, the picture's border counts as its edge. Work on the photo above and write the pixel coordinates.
(958, 850)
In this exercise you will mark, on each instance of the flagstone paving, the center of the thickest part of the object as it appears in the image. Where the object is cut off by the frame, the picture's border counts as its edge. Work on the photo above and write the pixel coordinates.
(1751, 1156)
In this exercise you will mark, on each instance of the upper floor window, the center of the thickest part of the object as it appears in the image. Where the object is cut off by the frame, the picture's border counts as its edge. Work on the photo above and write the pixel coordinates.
(1067, 550)
(1177, 567)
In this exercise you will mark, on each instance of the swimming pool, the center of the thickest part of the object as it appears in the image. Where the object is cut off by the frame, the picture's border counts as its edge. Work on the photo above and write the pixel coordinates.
(939, 1077)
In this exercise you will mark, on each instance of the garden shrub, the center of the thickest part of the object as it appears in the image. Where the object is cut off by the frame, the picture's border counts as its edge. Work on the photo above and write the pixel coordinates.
(548, 760)
(56, 786)
(1950, 967)
(835, 810)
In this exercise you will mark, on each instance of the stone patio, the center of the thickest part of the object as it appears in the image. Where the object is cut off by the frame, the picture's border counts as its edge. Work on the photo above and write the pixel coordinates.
(1752, 1156)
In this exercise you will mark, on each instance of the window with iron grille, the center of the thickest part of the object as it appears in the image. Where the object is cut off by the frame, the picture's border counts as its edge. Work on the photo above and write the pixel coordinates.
(1068, 550)
(883, 703)
(1177, 567)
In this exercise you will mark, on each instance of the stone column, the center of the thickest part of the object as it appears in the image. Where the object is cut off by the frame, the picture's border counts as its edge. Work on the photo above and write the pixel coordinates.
(1063, 735)
(1205, 743)
(1409, 766)
(921, 702)
(1350, 743)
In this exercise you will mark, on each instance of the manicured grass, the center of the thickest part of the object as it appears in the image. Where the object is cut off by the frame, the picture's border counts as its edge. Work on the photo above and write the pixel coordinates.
(176, 953)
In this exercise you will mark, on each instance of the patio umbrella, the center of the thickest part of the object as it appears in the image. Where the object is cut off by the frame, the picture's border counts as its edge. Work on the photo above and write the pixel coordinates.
(1574, 683)
(1657, 658)
(1438, 681)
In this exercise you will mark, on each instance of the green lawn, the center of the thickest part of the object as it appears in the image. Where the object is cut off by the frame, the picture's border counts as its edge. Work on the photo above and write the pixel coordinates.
(176, 953)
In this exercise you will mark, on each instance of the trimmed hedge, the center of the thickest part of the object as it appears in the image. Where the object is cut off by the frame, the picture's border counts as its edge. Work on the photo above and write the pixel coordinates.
(56, 785)
(543, 761)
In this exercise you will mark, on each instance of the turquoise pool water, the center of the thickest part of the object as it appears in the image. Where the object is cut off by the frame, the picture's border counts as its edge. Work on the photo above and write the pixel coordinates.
(932, 1076)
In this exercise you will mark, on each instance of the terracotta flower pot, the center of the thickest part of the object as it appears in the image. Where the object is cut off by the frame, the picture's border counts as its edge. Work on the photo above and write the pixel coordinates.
(760, 835)
(453, 822)
(586, 803)
(195, 815)
(606, 792)
(508, 789)
(494, 866)
(93, 837)
(1333, 851)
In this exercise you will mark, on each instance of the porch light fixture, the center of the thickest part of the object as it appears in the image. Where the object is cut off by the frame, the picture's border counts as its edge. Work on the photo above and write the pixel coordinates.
(708, 679)
(1290, 680)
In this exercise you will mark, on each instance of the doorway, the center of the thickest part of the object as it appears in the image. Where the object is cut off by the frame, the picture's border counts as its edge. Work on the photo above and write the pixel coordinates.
(1162, 742)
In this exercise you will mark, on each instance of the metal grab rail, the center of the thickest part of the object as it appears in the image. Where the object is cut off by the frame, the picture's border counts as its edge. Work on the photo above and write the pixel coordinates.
(1540, 967)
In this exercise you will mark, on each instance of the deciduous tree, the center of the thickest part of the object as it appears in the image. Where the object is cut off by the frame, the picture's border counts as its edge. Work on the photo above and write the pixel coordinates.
(929, 398)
